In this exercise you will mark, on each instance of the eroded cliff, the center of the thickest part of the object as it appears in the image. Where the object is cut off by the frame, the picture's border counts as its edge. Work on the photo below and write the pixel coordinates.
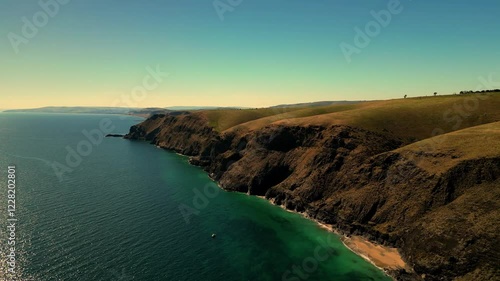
(443, 217)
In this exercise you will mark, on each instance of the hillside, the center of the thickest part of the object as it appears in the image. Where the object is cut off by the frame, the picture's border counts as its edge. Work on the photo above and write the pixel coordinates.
(411, 119)
(377, 169)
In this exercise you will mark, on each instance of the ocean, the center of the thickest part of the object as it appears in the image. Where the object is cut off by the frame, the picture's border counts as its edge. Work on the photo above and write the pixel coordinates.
(93, 208)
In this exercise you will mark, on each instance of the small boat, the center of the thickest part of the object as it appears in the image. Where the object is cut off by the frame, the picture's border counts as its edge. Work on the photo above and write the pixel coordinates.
(213, 235)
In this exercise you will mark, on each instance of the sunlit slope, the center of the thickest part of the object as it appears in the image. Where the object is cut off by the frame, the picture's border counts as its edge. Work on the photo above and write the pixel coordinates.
(417, 118)
(223, 119)
(442, 152)
(410, 119)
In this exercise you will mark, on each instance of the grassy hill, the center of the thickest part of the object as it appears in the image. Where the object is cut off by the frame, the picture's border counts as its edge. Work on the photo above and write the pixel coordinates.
(442, 152)
(410, 119)
(418, 174)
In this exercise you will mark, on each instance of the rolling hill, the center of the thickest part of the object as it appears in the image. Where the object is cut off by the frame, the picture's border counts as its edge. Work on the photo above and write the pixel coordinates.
(419, 174)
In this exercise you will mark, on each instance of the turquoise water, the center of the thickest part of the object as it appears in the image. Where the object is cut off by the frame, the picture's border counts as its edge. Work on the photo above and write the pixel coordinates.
(131, 211)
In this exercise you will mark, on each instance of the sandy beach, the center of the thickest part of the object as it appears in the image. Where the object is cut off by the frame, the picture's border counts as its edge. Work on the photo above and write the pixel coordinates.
(383, 257)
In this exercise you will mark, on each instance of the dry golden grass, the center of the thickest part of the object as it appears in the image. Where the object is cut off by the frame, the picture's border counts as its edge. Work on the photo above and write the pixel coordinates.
(414, 119)
(442, 152)
(410, 119)
(293, 114)
(223, 119)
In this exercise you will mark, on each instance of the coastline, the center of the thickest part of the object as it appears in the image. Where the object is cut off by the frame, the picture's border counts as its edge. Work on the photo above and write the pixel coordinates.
(360, 178)
(385, 258)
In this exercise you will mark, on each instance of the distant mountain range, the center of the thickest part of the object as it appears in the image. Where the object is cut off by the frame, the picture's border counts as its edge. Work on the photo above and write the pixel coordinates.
(100, 110)
(79, 109)
(153, 110)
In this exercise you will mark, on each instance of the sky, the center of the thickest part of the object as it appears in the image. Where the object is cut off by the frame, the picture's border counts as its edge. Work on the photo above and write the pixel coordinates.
(250, 53)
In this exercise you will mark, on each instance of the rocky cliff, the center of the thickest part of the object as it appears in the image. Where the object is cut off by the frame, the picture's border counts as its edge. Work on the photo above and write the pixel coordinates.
(438, 206)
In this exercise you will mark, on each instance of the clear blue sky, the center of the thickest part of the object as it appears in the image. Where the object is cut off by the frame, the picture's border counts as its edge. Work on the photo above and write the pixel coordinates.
(262, 53)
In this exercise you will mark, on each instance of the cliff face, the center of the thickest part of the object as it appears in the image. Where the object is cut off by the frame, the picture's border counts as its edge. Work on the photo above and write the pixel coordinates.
(444, 221)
